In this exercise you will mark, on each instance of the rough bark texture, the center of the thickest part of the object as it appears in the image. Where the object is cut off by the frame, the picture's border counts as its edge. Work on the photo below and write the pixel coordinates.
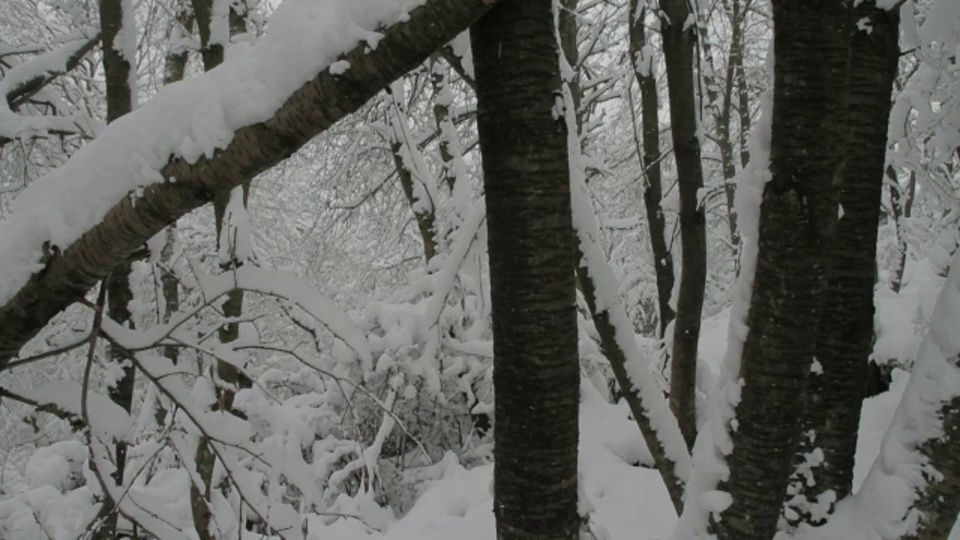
(116, 70)
(940, 500)
(650, 161)
(536, 368)
(678, 48)
(834, 397)
(798, 220)
(313, 108)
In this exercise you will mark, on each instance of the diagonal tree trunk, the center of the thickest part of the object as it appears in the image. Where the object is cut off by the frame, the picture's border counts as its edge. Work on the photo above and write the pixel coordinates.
(679, 42)
(420, 201)
(120, 98)
(835, 392)
(798, 221)
(650, 161)
(69, 273)
(536, 370)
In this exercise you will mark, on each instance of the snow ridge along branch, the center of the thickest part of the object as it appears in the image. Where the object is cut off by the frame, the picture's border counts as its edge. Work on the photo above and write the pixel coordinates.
(52, 266)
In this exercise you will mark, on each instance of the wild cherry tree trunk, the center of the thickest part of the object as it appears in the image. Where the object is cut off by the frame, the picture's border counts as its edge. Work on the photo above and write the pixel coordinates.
(797, 226)
(523, 140)
(837, 382)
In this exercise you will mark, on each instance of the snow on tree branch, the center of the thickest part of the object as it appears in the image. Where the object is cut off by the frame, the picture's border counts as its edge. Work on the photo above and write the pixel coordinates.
(202, 136)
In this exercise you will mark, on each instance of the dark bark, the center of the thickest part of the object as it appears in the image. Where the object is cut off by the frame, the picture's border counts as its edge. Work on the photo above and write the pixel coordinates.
(423, 211)
(117, 72)
(527, 189)
(425, 218)
(439, 82)
(650, 161)
(798, 221)
(845, 341)
(723, 117)
(211, 53)
(568, 27)
(618, 362)
(939, 501)
(743, 87)
(229, 378)
(21, 93)
(678, 49)
(174, 68)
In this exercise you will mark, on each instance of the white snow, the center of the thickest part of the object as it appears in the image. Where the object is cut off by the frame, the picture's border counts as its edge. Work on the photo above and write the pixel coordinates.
(190, 118)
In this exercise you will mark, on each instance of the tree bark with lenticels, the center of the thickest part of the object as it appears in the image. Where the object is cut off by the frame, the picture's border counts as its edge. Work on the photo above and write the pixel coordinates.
(679, 43)
(836, 388)
(798, 222)
(527, 188)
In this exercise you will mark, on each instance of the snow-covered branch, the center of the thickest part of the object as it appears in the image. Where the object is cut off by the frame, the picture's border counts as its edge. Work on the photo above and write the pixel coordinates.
(203, 136)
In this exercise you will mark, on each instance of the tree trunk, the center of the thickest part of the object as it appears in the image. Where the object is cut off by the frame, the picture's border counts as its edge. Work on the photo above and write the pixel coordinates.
(424, 211)
(120, 96)
(650, 161)
(527, 183)
(442, 99)
(723, 117)
(229, 378)
(175, 65)
(211, 50)
(798, 221)
(835, 392)
(678, 49)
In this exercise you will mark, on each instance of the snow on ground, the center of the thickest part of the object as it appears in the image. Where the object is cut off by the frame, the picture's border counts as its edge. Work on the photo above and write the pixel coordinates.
(628, 498)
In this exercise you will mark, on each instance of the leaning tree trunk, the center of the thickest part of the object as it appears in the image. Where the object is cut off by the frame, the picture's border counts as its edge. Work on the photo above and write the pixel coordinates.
(67, 274)
(536, 370)
(421, 203)
(120, 96)
(679, 42)
(836, 389)
(650, 161)
(798, 221)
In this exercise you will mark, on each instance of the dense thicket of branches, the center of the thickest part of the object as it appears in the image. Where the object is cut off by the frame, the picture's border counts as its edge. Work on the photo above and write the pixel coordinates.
(472, 226)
